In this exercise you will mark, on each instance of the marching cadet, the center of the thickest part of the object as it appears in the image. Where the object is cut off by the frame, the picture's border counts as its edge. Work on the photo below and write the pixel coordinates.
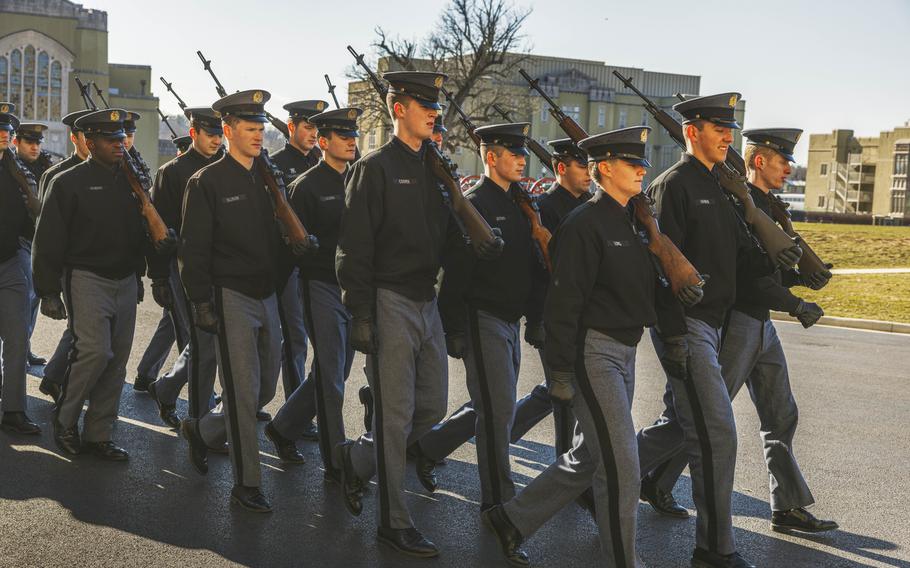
(394, 228)
(89, 246)
(752, 355)
(300, 153)
(15, 225)
(318, 198)
(600, 300)
(229, 267)
(183, 143)
(438, 130)
(695, 213)
(196, 365)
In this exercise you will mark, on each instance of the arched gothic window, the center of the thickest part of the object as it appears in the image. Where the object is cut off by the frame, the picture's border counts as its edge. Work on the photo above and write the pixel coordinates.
(33, 72)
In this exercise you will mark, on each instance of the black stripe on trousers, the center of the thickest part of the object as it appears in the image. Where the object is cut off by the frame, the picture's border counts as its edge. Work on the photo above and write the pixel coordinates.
(288, 369)
(606, 450)
(379, 431)
(321, 418)
(196, 406)
(74, 350)
(229, 392)
(486, 403)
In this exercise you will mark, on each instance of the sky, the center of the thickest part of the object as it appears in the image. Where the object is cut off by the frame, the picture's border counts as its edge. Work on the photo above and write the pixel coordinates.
(799, 63)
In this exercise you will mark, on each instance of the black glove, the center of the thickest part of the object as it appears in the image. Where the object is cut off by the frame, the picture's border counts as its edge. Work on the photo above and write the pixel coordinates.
(161, 292)
(308, 246)
(807, 313)
(535, 334)
(690, 295)
(455, 345)
(52, 307)
(562, 386)
(168, 244)
(204, 316)
(676, 356)
(490, 250)
(817, 280)
(789, 257)
(363, 338)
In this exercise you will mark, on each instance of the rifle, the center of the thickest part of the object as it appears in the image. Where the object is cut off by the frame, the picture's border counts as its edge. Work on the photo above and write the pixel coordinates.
(483, 239)
(522, 198)
(86, 97)
(809, 264)
(675, 265)
(100, 94)
(26, 181)
(170, 88)
(168, 124)
(278, 124)
(332, 90)
(538, 149)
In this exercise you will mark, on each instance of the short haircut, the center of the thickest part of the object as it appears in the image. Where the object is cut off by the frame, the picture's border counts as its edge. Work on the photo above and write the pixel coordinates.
(392, 98)
(231, 120)
(496, 149)
(753, 151)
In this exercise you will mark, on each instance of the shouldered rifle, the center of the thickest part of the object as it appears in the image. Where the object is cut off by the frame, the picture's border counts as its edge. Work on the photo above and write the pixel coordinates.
(26, 181)
(677, 268)
(522, 198)
(816, 271)
(140, 184)
(293, 230)
(331, 87)
(84, 93)
(170, 89)
(168, 124)
(486, 243)
(278, 124)
(100, 94)
(538, 149)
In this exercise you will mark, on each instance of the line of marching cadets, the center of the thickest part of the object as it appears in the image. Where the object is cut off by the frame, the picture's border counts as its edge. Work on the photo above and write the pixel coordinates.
(241, 302)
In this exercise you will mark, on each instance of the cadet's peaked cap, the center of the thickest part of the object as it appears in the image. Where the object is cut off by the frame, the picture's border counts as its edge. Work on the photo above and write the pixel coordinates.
(107, 123)
(71, 118)
(511, 136)
(303, 110)
(781, 139)
(183, 143)
(342, 120)
(718, 109)
(424, 86)
(129, 123)
(206, 118)
(565, 149)
(626, 143)
(438, 126)
(8, 120)
(33, 131)
(245, 105)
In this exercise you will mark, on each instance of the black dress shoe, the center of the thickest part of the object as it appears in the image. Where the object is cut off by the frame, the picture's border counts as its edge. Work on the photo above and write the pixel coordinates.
(141, 383)
(426, 471)
(19, 423)
(68, 439)
(351, 485)
(366, 399)
(799, 520)
(407, 541)
(286, 449)
(310, 433)
(662, 501)
(167, 412)
(198, 449)
(263, 416)
(107, 451)
(36, 361)
(251, 499)
(701, 558)
(509, 537)
(51, 389)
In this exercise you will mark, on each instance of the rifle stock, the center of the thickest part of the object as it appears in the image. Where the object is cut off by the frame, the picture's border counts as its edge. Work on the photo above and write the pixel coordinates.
(293, 229)
(155, 224)
(27, 183)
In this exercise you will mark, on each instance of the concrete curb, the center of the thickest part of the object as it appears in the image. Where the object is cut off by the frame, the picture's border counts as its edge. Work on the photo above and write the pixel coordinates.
(874, 325)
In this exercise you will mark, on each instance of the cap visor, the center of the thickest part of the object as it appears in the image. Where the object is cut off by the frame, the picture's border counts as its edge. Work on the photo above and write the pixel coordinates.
(213, 131)
(429, 104)
(520, 151)
(727, 124)
(638, 162)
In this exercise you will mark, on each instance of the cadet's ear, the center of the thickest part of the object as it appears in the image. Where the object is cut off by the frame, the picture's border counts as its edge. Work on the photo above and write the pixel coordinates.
(605, 168)
(323, 142)
(561, 168)
(291, 127)
(759, 161)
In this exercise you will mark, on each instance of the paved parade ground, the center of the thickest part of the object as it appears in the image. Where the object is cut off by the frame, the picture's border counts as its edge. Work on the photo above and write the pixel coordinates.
(853, 445)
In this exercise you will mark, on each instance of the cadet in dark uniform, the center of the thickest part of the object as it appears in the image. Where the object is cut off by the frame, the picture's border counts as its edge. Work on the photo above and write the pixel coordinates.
(318, 198)
(183, 143)
(196, 364)
(696, 214)
(15, 224)
(600, 300)
(229, 266)
(393, 232)
(752, 355)
(89, 245)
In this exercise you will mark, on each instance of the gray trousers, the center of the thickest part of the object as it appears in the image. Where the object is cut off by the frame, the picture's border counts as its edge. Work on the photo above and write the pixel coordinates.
(701, 421)
(13, 334)
(409, 377)
(752, 355)
(293, 335)
(329, 328)
(55, 370)
(157, 350)
(102, 319)
(249, 355)
(25, 257)
(605, 454)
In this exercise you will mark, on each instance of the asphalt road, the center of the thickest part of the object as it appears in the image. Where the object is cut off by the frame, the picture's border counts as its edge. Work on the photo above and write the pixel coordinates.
(852, 388)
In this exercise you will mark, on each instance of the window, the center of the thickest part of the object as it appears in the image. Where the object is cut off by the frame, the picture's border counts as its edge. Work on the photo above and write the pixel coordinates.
(623, 117)
(15, 79)
(898, 201)
(821, 200)
(43, 78)
(32, 76)
(573, 111)
(371, 140)
(28, 83)
(544, 114)
(4, 82)
(900, 164)
(56, 90)
(601, 116)
(823, 171)
(644, 117)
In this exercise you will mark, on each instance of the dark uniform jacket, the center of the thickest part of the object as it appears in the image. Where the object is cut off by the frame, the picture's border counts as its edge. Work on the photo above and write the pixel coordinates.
(15, 221)
(90, 221)
(229, 236)
(696, 214)
(603, 279)
(506, 287)
(317, 197)
(167, 195)
(57, 168)
(292, 162)
(394, 228)
(556, 204)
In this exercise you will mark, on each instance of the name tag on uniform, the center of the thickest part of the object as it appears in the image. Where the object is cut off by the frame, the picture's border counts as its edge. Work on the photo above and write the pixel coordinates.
(706, 202)
(234, 198)
(292, 171)
(501, 218)
(330, 197)
(406, 181)
(619, 243)
(95, 187)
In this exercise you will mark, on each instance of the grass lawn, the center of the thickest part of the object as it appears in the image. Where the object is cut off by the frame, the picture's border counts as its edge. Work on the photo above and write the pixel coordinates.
(865, 296)
(858, 246)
